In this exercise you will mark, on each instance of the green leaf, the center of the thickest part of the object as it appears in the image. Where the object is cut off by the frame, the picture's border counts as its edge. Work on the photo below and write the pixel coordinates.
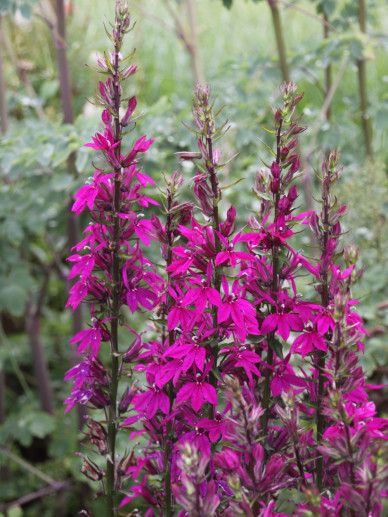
(49, 89)
(326, 7)
(42, 424)
(13, 298)
(15, 511)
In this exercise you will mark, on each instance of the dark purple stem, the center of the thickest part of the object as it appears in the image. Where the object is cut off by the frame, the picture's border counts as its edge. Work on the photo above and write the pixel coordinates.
(33, 330)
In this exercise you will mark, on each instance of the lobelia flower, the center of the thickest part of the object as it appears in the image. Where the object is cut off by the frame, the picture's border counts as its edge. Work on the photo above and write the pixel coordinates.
(151, 401)
(240, 357)
(198, 392)
(308, 342)
(179, 314)
(90, 382)
(192, 353)
(282, 323)
(235, 308)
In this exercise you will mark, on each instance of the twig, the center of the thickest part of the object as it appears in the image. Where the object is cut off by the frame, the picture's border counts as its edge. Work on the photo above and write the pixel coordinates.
(32, 496)
(58, 31)
(19, 374)
(194, 49)
(30, 468)
(160, 21)
(33, 320)
(320, 120)
(189, 41)
(320, 19)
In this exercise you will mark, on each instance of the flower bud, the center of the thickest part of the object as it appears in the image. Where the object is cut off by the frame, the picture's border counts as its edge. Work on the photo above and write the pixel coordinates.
(189, 155)
(130, 70)
(351, 254)
(132, 103)
(90, 469)
(97, 435)
(126, 399)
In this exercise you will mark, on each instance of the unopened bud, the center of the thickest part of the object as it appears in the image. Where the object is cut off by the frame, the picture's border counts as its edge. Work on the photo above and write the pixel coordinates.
(90, 469)
(351, 254)
(188, 155)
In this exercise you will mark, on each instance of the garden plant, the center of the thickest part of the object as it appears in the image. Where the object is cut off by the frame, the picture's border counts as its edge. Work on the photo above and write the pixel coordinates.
(238, 389)
(187, 328)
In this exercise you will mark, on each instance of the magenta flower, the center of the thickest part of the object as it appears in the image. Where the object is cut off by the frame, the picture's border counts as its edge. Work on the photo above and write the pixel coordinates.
(89, 384)
(85, 197)
(172, 370)
(324, 322)
(191, 353)
(282, 323)
(179, 315)
(229, 256)
(242, 358)
(141, 146)
(234, 307)
(77, 293)
(217, 428)
(151, 401)
(284, 378)
(83, 267)
(307, 342)
(203, 294)
(103, 141)
(198, 393)
(88, 339)
(181, 264)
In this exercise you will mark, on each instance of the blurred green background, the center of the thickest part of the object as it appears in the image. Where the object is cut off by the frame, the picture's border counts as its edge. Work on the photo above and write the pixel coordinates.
(230, 44)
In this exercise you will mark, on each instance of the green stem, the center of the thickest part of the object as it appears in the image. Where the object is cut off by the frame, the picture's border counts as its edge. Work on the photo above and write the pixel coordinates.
(351, 459)
(116, 302)
(169, 435)
(278, 29)
(169, 507)
(274, 290)
(362, 86)
(321, 356)
(217, 276)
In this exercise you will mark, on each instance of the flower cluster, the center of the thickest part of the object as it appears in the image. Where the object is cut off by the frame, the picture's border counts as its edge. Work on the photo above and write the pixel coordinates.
(248, 384)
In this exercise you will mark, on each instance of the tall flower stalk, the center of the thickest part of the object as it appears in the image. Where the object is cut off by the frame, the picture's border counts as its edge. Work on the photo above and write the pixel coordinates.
(327, 230)
(109, 263)
(283, 169)
(175, 214)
